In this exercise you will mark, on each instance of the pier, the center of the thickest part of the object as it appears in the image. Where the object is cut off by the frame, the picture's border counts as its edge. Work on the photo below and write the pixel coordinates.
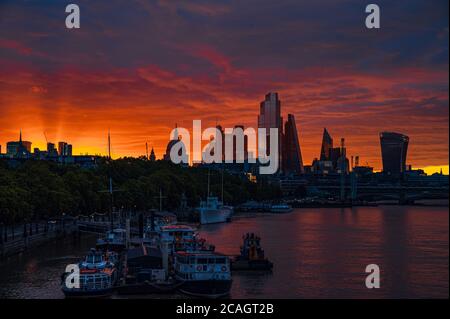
(14, 240)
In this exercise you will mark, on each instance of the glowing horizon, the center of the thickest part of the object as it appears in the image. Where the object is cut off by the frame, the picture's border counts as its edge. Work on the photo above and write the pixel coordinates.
(102, 150)
(215, 63)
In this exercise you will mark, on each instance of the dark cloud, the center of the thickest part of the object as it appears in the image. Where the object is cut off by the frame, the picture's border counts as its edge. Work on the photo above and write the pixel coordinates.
(136, 59)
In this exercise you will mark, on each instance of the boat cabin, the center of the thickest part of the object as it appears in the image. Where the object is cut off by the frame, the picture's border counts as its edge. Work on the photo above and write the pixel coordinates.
(202, 266)
(144, 263)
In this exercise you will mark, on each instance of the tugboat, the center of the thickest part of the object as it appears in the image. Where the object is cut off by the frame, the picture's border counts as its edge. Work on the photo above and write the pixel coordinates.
(98, 275)
(252, 255)
(203, 274)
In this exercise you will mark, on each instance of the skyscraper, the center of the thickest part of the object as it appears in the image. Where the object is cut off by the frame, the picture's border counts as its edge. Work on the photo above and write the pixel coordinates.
(394, 147)
(292, 155)
(51, 150)
(327, 145)
(270, 117)
(64, 149)
(69, 150)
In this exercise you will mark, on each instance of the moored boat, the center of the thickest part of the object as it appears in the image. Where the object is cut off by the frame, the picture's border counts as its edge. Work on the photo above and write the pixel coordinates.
(203, 274)
(115, 240)
(213, 211)
(281, 208)
(252, 255)
(145, 273)
(182, 238)
(97, 276)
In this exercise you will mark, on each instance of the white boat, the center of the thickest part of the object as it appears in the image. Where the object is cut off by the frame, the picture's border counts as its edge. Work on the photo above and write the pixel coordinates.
(203, 274)
(98, 275)
(182, 237)
(213, 211)
(281, 208)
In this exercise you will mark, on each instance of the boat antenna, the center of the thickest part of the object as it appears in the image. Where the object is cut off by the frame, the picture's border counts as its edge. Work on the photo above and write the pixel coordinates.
(110, 189)
(160, 199)
(110, 182)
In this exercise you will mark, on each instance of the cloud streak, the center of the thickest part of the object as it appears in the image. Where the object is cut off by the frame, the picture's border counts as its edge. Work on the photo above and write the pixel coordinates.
(138, 69)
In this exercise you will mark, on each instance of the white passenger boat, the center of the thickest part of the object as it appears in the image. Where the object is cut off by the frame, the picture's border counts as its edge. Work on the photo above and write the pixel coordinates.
(203, 274)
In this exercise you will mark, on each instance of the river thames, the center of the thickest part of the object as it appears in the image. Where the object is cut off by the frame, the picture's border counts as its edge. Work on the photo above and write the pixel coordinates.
(317, 253)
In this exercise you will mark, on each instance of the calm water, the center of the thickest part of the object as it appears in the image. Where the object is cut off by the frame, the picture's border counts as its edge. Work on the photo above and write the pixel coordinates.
(317, 253)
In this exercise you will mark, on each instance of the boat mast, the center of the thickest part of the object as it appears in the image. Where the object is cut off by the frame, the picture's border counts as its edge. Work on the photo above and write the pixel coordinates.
(110, 182)
(160, 197)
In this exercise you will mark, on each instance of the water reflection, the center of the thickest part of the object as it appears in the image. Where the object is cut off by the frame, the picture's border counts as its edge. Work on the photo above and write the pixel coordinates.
(317, 253)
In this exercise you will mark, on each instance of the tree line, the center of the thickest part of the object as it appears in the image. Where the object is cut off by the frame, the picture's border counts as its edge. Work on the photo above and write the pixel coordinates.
(36, 190)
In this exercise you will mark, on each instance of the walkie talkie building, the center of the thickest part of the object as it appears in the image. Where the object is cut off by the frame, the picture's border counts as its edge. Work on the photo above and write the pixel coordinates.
(394, 148)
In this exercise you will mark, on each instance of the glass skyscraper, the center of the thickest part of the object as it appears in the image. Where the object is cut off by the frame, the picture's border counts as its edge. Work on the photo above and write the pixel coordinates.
(394, 147)
(270, 117)
(292, 155)
(327, 145)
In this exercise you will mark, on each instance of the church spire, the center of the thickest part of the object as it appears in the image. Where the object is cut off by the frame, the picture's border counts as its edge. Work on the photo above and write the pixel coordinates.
(152, 155)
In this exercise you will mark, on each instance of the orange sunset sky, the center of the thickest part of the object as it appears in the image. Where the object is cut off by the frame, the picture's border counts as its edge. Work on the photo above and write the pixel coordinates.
(137, 69)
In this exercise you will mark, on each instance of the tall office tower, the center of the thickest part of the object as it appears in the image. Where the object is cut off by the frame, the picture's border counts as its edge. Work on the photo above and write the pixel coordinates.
(51, 150)
(12, 148)
(270, 117)
(394, 147)
(338, 154)
(292, 155)
(334, 156)
(327, 144)
(69, 150)
(62, 148)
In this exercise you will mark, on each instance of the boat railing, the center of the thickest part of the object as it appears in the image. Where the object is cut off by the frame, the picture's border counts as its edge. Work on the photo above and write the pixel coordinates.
(95, 281)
